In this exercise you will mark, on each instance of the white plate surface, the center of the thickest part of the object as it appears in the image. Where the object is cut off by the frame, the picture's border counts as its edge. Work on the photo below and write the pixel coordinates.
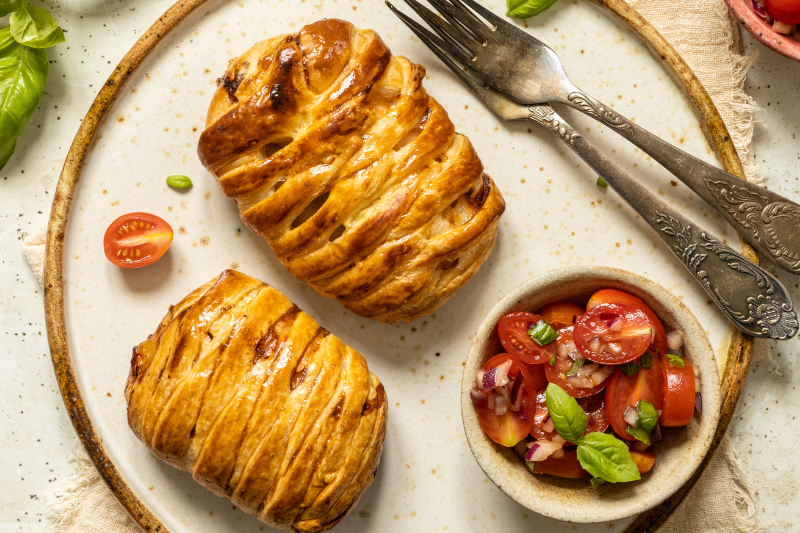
(556, 216)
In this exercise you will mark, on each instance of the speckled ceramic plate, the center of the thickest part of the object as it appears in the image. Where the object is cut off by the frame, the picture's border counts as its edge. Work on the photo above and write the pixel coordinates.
(144, 126)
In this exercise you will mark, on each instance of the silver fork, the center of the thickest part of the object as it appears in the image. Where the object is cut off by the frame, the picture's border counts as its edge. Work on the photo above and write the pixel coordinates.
(751, 298)
(528, 71)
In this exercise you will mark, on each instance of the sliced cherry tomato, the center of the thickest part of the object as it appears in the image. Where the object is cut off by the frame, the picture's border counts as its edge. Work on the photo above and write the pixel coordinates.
(786, 11)
(136, 240)
(678, 394)
(566, 466)
(556, 373)
(644, 460)
(593, 405)
(510, 428)
(560, 314)
(613, 296)
(613, 333)
(513, 331)
(625, 391)
(539, 376)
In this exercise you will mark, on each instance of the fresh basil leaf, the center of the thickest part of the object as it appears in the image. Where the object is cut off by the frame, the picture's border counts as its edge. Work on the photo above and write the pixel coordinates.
(7, 6)
(648, 416)
(646, 360)
(568, 417)
(676, 360)
(601, 182)
(639, 434)
(34, 26)
(576, 365)
(629, 369)
(606, 457)
(523, 9)
(23, 72)
(543, 333)
(179, 182)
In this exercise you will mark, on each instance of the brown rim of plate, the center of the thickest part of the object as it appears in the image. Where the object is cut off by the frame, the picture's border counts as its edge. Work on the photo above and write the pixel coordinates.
(739, 352)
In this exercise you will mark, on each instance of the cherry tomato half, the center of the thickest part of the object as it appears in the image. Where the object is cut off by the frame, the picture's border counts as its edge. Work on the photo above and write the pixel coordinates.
(786, 11)
(556, 373)
(136, 240)
(644, 460)
(593, 405)
(510, 428)
(613, 333)
(560, 314)
(539, 377)
(625, 391)
(513, 331)
(679, 393)
(613, 296)
(566, 466)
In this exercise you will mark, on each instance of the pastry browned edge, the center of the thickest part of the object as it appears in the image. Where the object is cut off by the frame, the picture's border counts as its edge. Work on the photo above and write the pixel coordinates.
(353, 174)
(244, 391)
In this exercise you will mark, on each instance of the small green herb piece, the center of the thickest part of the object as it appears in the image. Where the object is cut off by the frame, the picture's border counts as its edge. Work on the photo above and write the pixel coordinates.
(606, 457)
(7, 6)
(648, 416)
(597, 481)
(601, 182)
(553, 360)
(646, 361)
(676, 360)
(35, 27)
(568, 417)
(523, 9)
(542, 333)
(179, 182)
(629, 369)
(576, 365)
(639, 434)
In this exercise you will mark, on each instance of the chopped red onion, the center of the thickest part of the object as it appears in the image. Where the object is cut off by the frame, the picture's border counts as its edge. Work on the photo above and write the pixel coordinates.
(631, 415)
(760, 11)
(541, 450)
(602, 375)
(614, 347)
(674, 339)
(558, 454)
(490, 402)
(478, 396)
(479, 379)
(516, 392)
(489, 380)
(586, 371)
(558, 439)
(594, 344)
(639, 446)
(698, 403)
(577, 382)
(500, 405)
(780, 27)
(548, 426)
(522, 414)
(655, 435)
(696, 383)
(615, 324)
(591, 422)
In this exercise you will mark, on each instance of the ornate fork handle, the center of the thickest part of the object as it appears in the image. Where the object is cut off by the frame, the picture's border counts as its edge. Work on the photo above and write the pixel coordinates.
(752, 299)
(768, 221)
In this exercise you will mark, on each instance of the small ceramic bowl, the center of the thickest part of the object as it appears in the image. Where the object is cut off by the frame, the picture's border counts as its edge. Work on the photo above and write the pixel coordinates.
(677, 456)
(758, 28)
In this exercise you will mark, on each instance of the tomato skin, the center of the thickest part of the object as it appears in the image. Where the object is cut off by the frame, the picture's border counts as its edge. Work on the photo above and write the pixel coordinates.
(679, 391)
(593, 405)
(555, 373)
(508, 429)
(141, 235)
(539, 376)
(786, 11)
(625, 391)
(560, 314)
(513, 332)
(567, 466)
(614, 296)
(614, 347)
(644, 460)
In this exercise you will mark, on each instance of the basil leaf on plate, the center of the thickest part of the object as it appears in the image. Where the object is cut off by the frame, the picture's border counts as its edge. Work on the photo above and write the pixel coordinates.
(606, 457)
(7, 6)
(523, 9)
(23, 72)
(34, 26)
(179, 182)
(568, 417)
(648, 416)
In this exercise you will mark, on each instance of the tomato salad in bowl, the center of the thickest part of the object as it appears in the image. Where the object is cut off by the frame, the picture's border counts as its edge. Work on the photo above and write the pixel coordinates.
(578, 383)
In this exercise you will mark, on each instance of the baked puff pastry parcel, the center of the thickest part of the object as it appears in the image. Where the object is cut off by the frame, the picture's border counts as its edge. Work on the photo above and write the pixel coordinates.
(353, 174)
(246, 392)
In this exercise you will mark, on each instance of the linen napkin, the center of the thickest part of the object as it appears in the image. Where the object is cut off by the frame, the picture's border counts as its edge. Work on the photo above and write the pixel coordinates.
(706, 36)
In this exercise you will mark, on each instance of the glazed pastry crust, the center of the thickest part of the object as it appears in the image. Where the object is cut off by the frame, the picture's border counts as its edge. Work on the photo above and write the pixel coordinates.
(246, 392)
(353, 174)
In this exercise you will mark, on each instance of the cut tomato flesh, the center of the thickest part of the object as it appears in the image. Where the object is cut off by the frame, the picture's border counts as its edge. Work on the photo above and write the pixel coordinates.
(567, 466)
(513, 332)
(679, 392)
(509, 428)
(136, 239)
(614, 296)
(626, 391)
(556, 373)
(560, 314)
(644, 460)
(613, 333)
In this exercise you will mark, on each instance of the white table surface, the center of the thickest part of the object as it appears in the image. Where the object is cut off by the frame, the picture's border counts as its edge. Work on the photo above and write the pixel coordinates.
(36, 436)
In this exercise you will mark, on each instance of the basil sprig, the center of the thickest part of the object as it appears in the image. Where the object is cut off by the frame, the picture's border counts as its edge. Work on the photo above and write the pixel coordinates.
(602, 455)
(523, 9)
(23, 67)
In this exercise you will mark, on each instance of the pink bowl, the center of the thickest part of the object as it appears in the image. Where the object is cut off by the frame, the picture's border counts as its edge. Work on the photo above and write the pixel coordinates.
(743, 11)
